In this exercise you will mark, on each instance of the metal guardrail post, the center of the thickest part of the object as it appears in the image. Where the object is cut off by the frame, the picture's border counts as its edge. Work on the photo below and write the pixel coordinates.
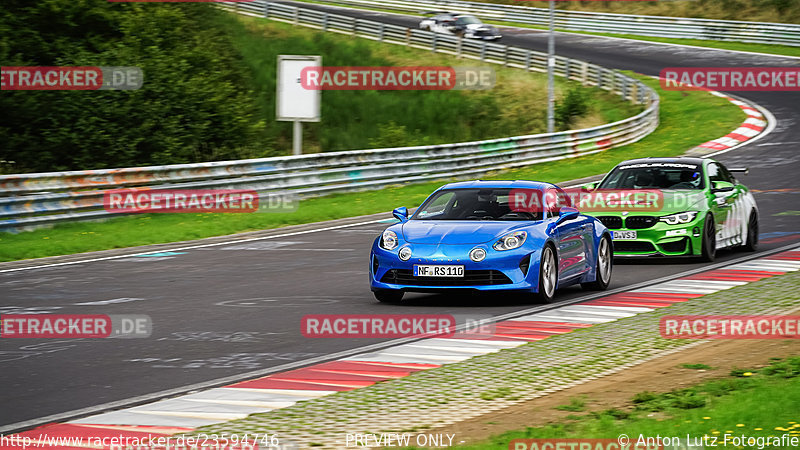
(527, 60)
(459, 43)
(585, 73)
(266, 10)
(296, 17)
(325, 22)
(434, 41)
(408, 36)
(381, 31)
(483, 51)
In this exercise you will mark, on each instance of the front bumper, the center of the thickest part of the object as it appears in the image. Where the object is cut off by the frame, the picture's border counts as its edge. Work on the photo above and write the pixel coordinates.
(516, 269)
(662, 240)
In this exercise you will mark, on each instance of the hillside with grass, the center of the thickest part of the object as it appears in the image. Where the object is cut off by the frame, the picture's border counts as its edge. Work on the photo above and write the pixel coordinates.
(209, 91)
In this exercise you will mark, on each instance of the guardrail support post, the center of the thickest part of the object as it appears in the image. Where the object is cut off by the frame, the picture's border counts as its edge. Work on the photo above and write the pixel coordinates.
(297, 16)
(585, 74)
(325, 22)
(483, 50)
(408, 36)
(528, 61)
(355, 28)
(600, 78)
(567, 68)
(458, 46)
(380, 31)
(635, 92)
(505, 57)
(266, 9)
(434, 41)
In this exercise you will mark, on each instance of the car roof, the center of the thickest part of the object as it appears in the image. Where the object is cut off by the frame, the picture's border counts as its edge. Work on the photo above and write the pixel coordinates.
(674, 160)
(497, 184)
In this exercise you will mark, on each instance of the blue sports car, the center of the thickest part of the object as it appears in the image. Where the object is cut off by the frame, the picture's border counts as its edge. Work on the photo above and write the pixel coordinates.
(517, 236)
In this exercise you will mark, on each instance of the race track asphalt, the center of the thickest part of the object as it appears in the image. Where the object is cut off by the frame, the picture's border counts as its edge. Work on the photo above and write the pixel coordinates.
(231, 309)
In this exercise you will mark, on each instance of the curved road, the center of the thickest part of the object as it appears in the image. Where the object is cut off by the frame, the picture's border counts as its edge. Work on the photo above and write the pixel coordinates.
(230, 309)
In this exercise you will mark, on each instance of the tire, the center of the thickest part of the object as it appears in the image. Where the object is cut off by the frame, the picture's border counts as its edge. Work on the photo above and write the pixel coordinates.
(605, 262)
(751, 244)
(388, 296)
(709, 243)
(548, 275)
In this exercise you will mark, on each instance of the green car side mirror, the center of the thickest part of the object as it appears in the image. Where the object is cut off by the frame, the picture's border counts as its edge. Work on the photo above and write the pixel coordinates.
(590, 186)
(721, 186)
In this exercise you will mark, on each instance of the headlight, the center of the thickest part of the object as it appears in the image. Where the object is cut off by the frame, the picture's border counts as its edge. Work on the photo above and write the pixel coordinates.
(511, 241)
(404, 254)
(674, 219)
(389, 240)
(477, 254)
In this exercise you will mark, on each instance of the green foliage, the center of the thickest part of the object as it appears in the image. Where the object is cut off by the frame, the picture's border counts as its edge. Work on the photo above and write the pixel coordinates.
(194, 104)
(696, 366)
(575, 404)
(574, 105)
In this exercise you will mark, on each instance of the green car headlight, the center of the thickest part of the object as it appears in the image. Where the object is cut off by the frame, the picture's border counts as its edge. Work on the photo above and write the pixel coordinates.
(678, 218)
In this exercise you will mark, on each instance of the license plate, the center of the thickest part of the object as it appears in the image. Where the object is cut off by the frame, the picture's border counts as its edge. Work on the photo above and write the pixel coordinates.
(438, 271)
(623, 235)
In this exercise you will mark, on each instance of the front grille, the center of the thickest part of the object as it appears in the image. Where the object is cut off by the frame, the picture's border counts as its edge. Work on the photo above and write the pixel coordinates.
(611, 222)
(674, 247)
(633, 246)
(640, 222)
(470, 278)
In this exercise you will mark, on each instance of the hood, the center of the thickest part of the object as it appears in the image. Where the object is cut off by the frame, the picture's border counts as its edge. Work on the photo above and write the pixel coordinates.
(455, 231)
(479, 26)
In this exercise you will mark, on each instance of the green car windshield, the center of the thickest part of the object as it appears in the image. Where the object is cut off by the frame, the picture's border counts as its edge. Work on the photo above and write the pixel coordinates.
(655, 176)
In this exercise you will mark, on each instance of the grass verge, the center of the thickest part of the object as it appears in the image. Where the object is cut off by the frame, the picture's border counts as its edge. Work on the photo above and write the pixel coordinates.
(687, 119)
(758, 403)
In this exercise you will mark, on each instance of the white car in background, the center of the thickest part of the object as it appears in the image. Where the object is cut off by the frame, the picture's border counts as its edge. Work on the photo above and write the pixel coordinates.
(466, 25)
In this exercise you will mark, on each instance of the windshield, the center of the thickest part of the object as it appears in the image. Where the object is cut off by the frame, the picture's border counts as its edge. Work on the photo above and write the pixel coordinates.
(468, 20)
(655, 176)
(472, 204)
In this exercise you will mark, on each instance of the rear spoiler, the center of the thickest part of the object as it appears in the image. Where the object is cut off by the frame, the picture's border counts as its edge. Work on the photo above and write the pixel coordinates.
(743, 170)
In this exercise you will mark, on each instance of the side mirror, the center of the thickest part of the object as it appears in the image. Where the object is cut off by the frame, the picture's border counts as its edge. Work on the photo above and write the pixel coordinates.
(400, 213)
(567, 213)
(721, 186)
(588, 187)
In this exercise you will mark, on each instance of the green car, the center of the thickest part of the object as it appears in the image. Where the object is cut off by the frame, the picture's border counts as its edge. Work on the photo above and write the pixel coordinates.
(685, 207)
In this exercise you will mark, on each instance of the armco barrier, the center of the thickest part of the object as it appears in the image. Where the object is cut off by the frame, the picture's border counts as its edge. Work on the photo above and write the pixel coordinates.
(657, 26)
(32, 200)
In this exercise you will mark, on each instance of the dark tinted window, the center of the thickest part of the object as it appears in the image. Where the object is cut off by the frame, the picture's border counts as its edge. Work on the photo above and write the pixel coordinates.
(654, 176)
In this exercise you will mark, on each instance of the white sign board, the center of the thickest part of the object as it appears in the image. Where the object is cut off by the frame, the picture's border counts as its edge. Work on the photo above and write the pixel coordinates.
(296, 103)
